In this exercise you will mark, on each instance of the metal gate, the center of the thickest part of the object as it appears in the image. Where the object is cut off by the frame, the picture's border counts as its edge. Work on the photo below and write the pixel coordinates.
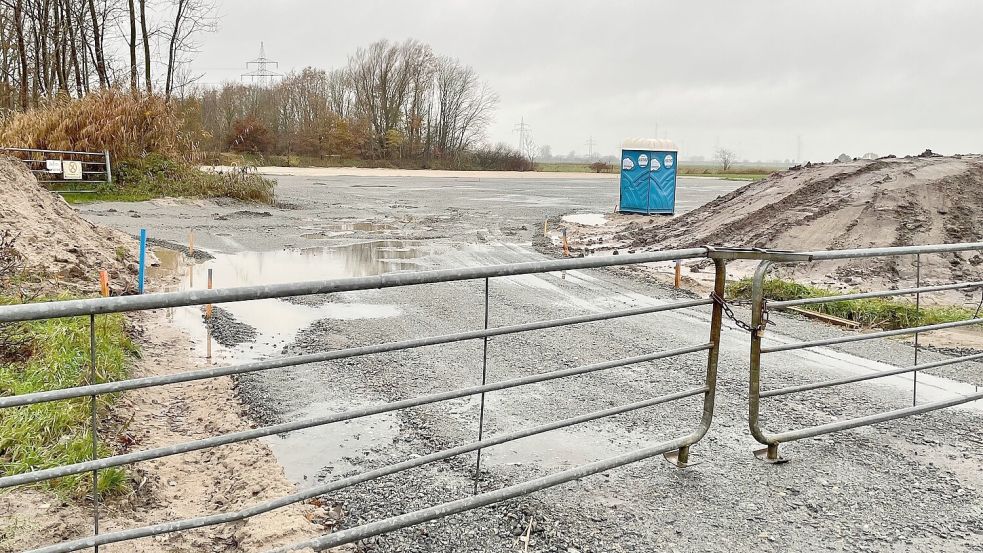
(675, 448)
(95, 168)
(759, 321)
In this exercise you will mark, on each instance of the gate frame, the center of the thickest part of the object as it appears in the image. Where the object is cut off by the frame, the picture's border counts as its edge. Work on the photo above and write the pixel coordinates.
(103, 160)
(678, 448)
(759, 320)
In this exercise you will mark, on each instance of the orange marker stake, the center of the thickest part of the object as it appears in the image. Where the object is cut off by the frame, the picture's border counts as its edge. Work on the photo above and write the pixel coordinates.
(208, 315)
(208, 307)
(104, 283)
(679, 273)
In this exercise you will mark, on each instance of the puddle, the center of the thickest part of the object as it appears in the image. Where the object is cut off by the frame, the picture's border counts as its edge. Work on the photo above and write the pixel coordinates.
(343, 228)
(587, 219)
(277, 321)
(330, 450)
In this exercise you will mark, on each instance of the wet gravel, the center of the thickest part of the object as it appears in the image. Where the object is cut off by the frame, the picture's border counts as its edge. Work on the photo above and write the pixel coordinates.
(913, 484)
(197, 255)
(227, 330)
(908, 484)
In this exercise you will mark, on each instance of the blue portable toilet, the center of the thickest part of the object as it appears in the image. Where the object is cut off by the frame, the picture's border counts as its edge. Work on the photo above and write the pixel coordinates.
(648, 176)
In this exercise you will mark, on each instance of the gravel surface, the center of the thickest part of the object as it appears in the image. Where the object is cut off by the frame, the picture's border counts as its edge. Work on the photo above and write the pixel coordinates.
(228, 331)
(906, 485)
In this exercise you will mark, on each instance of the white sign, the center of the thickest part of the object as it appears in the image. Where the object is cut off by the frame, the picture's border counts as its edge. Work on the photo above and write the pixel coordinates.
(668, 161)
(52, 165)
(643, 160)
(72, 170)
(627, 164)
(655, 166)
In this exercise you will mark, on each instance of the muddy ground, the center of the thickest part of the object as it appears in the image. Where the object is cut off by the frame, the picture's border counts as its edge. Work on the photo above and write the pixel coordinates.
(176, 487)
(913, 484)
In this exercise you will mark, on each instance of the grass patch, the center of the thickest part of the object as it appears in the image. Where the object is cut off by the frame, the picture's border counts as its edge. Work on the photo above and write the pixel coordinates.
(883, 313)
(734, 173)
(155, 176)
(51, 354)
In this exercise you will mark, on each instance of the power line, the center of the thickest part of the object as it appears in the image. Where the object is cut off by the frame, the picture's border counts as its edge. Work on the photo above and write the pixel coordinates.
(525, 136)
(590, 147)
(262, 74)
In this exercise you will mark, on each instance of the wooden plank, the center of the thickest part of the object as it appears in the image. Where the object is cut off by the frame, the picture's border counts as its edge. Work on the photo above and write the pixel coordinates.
(825, 317)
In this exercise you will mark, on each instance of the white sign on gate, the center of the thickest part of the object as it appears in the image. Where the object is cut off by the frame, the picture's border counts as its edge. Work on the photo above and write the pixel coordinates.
(72, 170)
(52, 165)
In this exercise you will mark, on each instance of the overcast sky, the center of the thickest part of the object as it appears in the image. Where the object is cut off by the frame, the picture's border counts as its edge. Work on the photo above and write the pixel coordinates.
(752, 76)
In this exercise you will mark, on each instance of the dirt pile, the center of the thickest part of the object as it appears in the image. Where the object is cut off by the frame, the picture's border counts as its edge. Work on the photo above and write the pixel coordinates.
(856, 204)
(51, 239)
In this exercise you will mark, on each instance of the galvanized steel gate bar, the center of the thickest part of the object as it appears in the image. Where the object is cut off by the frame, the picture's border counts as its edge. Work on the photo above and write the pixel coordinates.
(677, 449)
(93, 307)
(760, 305)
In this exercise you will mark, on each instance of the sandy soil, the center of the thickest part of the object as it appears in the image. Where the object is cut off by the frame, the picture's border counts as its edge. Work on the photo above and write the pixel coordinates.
(174, 487)
(54, 241)
(859, 204)
(425, 173)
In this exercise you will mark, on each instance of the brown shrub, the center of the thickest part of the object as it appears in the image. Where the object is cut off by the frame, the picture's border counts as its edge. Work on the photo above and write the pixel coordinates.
(250, 135)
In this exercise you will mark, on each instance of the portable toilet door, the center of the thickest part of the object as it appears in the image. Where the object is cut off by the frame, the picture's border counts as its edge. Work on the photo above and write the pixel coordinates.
(648, 176)
(635, 186)
(662, 184)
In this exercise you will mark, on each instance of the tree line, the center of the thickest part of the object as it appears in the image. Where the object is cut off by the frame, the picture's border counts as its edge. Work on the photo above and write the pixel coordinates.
(391, 100)
(51, 48)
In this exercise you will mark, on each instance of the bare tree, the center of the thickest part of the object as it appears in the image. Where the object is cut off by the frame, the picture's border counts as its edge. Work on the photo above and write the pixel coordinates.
(191, 18)
(98, 30)
(725, 157)
(398, 100)
(146, 47)
(463, 106)
(133, 46)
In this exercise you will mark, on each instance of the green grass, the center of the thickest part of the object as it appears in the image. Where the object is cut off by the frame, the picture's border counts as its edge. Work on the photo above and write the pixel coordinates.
(156, 176)
(871, 312)
(52, 354)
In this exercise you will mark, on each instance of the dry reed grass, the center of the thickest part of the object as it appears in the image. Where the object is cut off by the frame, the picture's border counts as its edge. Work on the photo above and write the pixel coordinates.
(128, 126)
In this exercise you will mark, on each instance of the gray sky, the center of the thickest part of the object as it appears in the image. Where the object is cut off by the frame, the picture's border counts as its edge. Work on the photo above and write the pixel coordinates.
(752, 76)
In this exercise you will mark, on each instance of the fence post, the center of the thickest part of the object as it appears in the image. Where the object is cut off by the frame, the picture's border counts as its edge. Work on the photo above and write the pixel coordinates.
(918, 312)
(143, 259)
(770, 454)
(484, 378)
(109, 168)
(95, 427)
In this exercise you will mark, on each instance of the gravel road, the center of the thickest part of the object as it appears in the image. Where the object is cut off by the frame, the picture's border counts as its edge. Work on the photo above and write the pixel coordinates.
(913, 484)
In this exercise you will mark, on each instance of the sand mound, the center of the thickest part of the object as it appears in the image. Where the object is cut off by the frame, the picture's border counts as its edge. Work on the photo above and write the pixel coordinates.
(52, 240)
(858, 204)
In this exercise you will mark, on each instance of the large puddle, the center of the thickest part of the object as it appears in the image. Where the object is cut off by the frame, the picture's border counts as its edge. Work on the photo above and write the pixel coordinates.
(277, 322)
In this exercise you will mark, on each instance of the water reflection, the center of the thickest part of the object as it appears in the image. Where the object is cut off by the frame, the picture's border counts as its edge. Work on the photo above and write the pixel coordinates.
(277, 321)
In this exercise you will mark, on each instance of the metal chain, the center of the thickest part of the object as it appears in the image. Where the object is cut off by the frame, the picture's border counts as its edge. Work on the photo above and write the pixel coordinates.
(726, 307)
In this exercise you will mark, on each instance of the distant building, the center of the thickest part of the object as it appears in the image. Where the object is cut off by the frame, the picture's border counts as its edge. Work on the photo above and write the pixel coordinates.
(869, 155)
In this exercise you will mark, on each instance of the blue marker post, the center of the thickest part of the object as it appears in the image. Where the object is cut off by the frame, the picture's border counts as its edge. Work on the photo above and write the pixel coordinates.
(143, 259)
